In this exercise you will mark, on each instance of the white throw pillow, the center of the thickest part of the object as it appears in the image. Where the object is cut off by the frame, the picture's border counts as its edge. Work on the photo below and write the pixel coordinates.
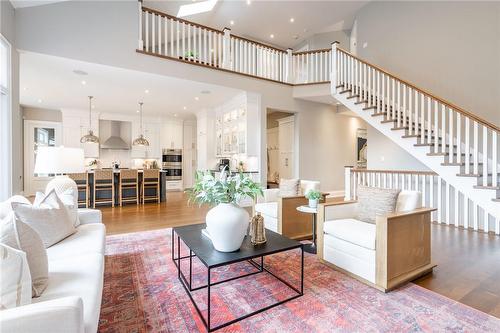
(6, 206)
(15, 278)
(67, 198)
(289, 187)
(48, 216)
(20, 236)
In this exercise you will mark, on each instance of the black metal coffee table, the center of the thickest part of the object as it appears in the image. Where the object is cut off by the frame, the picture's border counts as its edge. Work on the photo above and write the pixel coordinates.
(201, 247)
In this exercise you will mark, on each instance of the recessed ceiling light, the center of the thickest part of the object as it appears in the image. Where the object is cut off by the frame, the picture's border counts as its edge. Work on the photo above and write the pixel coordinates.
(39, 100)
(25, 88)
(184, 108)
(292, 20)
(146, 91)
(271, 36)
(249, 2)
(80, 72)
(137, 111)
(231, 22)
(175, 114)
(93, 106)
(84, 82)
(196, 98)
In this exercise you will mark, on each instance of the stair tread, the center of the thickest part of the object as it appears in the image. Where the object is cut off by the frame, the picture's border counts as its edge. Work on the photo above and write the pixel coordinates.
(487, 187)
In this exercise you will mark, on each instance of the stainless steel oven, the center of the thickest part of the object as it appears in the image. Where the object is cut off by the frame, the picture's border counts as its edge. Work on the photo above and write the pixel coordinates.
(172, 163)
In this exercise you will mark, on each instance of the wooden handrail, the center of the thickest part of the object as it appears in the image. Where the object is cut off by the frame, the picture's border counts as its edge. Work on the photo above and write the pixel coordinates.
(311, 51)
(440, 100)
(258, 43)
(153, 11)
(399, 172)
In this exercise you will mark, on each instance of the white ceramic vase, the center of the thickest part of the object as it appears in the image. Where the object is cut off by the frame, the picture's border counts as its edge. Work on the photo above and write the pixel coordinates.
(313, 203)
(227, 225)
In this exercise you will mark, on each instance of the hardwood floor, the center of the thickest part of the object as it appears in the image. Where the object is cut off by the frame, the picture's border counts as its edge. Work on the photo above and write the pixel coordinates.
(468, 262)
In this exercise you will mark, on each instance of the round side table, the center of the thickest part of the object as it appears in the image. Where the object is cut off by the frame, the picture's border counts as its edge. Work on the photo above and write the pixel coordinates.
(311, 248)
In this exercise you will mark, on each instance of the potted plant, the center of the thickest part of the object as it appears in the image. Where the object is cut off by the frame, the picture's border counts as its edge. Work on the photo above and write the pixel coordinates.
(313, 197)
(227, 222)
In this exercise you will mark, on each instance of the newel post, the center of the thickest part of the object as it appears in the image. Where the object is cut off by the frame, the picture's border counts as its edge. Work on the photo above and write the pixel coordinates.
(226, 49)
(348, 195)
(289, 66)
(141, 42)
(333, 69)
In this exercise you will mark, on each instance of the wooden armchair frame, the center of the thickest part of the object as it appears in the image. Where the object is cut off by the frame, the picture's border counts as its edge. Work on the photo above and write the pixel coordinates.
(402, 246)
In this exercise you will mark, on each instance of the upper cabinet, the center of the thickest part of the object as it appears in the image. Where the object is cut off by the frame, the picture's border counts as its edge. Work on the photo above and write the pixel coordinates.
(77, 125)
(152, 134)
(171, 136)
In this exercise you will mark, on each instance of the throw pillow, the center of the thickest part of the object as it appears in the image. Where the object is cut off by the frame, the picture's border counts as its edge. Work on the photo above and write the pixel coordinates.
(373, 201)
(15, 278)
(48, 217)
(67, 198)
(289, 187)
(6, 206)
(20, 236)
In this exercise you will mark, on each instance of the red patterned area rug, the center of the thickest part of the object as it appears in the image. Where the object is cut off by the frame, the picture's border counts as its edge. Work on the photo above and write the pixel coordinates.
(142, 294)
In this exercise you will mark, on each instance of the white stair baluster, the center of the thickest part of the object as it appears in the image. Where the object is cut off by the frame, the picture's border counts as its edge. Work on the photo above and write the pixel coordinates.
(439, 200)
(475, 217)
(146, 24)
(410, 111)
(451, 150)
(424, 189)
(429, 120)
(467, 145)
(436, 128)
(447, 205)
(141, 13)
(459, 138)
(432, 204)
(456, 217)
(485, 155)
(466, 211)
(165, 36)
(159, 33)
(475, 155)
(422, 118)
(443, 128)
(494, 158)
(153, 33)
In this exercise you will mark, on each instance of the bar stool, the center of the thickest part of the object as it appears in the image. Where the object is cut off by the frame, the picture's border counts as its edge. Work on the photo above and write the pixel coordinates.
(104, 182)
(82, 183)
(151, 181)
(129, 181)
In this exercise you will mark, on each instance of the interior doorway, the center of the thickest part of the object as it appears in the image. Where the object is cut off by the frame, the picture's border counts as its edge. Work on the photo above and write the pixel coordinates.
(280, 146)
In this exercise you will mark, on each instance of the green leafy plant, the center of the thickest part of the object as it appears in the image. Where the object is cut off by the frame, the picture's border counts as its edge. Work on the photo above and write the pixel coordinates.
(313, 195)
(208, 189)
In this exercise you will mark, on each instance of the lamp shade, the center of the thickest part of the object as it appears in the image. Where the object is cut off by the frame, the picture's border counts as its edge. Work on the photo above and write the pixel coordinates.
(59, 160)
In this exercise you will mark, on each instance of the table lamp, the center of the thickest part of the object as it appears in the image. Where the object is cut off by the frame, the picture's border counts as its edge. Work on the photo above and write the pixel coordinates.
(60, 161)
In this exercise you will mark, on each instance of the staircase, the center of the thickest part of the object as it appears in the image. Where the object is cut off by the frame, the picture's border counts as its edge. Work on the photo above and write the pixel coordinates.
(459, 146)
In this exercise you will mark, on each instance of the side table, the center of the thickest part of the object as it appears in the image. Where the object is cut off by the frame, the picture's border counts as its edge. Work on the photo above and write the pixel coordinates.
(311, 248)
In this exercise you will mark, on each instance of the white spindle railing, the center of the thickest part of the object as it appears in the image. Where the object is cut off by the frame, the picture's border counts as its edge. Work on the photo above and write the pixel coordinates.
(464, 139)
(170, 37)
(452, 205)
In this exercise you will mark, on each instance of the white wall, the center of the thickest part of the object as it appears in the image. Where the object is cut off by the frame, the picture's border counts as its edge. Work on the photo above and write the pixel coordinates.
(450, 48)
(383, 154)
(324, 40)
(41, 114)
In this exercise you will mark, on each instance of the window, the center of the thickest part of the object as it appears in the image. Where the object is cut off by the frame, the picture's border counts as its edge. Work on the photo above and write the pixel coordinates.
(5, 120)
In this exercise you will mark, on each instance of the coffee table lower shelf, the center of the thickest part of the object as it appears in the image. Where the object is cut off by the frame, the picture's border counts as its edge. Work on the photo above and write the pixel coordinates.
(259, 266)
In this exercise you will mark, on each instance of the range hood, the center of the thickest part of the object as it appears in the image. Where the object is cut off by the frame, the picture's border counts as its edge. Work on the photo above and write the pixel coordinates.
(115, 134)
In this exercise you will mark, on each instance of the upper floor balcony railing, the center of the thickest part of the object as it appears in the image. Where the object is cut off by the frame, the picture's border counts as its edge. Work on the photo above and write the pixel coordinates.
(169, 37)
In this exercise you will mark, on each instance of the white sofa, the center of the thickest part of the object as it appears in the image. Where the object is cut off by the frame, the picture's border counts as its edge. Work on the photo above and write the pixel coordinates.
(280, 213)
(72, 300)
(386, 254)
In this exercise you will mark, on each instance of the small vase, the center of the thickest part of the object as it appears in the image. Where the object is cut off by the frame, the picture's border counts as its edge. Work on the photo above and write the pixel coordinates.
(313, 203)
(227, 225)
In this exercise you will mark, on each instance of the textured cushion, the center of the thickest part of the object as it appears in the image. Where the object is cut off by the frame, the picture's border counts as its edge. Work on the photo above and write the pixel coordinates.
(15, 278)
(353, 231)
(67, 190)
(289, 187)
(88, 238)
(78, 276)
(308, 185)
(47, 216)
(267, 208)
(20, 236)
(6, 206)
(408, 200)
(375, 201)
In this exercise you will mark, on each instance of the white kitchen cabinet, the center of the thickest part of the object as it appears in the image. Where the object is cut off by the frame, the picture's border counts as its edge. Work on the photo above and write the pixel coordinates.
(76, 126)
(231, 131)
(286, 139)
(152, 134)
(171, 136)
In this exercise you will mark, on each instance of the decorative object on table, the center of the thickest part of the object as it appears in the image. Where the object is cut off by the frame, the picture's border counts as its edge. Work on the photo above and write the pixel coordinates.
(257, 230)
(241, 166)
(90, 137)
(92, 164)
(140, 140)
(115, 165)
(227, 223)
(313, 197)
(361, 140)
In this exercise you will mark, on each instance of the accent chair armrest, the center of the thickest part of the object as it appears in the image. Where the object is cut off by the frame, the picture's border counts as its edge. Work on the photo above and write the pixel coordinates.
(270, 195)
(58, 316)
(88, 216)
(403, 247)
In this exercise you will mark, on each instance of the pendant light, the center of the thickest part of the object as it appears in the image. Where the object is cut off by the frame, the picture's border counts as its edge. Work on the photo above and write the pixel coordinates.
(141, 140)
(90, 137)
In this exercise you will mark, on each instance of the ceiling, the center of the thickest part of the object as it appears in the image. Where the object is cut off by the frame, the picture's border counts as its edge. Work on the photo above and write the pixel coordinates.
(49, 82)
(31, 3)
(258, 19)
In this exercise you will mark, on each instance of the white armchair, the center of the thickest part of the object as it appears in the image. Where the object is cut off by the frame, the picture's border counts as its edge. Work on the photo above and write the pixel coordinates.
(280, 213)
(394, 250)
